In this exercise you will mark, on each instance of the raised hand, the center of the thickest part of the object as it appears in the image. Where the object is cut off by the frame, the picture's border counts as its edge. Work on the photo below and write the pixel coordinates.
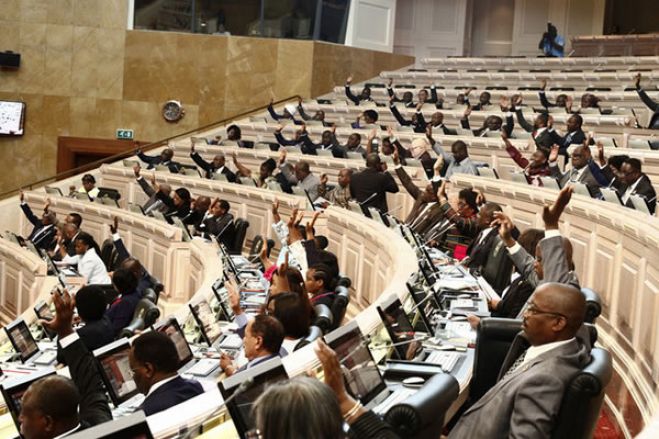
(349, 80)
(390, 131)
(551, 214)
(419, 106)
(234, 294)
(275, 211)
(637, 80)
(504, 103)
(114, 226)
(553, 154)
(438, 165)
(543, 84)
(429, 131)
(505, 228)
(372, 134)
(441, 192)
(136, 170)
(279, 128)
(467, 112)
(62, 323)
(333, 377)
(395, 157)
(282, 156)
(469, 90)
(323, 179)
(153, 179)
(191, 145)
(390, 82)
(47, 205)
(21, 196)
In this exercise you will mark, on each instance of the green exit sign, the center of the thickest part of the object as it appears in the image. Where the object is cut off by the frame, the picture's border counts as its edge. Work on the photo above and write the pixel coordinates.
(125, 134)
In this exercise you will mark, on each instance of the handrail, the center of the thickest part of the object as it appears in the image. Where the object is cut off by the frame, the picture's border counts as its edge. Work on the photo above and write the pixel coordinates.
(131, 151)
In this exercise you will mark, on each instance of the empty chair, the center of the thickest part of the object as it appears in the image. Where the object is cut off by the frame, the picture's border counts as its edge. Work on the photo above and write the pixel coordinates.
(240, 231)
(314, 334)
(593, 305)
(340, 305)
(638, 144)
(608, 142)
(247, 181)
(146, 314)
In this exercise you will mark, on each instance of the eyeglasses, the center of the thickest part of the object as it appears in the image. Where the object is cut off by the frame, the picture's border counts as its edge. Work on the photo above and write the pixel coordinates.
(253, 434)
(532, 309)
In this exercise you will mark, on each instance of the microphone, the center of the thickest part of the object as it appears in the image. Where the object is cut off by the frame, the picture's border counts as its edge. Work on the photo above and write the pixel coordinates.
(609, 186)
(400, 343)
(423, 301)
(389, 212)
(217, 237)
(373, 195)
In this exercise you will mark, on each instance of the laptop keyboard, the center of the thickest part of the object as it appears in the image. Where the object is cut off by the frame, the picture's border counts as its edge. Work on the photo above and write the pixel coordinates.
(443, 359)
(129, 406)
(396, 397)
(231, 342)
(203, 367)
(46, 357)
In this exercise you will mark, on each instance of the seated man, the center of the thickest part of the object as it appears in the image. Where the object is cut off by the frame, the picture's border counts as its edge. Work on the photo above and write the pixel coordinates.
(535, 168)
(561, 99)
(97, 330)
(318, 284)
(144, 279)
(263, 337)
(65, 249)
(164, 159)
(339, 195)
(491, 124)
(89, 186)
(153, 358)
(369, 117)
(458, 162)
(297, 141)
(370, 186)
(540, 363)
(56, 406)
(421, 197)
(633, 182)
(294, 311)
(422, 95)
(217, 166)
(352, 145)
(219, 224)
(199, 207)
(44, 230)
(121, 311)
(456, 228)
(574, 135)
(318, 115)
(580, 172)
(328, 142)
(365, 94)
(483, 101)
(540, 130)
(289, 112)
(153, 203)
(299, 175)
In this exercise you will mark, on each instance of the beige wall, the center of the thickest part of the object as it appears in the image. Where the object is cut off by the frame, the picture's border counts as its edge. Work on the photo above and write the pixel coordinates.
(84, 75)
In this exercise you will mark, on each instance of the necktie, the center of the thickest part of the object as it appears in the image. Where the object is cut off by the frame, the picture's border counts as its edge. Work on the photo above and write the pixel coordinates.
(573, 174)
(516, 364)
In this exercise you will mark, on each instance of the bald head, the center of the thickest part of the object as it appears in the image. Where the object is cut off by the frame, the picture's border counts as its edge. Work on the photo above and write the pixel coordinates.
(554, 313)
(373, 160)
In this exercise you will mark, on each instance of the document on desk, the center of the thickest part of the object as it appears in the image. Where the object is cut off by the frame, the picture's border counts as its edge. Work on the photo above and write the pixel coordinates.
(487, 289)
(455, 284)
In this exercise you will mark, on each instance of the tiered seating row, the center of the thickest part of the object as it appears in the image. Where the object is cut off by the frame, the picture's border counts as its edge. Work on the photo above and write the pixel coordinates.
(618, 62)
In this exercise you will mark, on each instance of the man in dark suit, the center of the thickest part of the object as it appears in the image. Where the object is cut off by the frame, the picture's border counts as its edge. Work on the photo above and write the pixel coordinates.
(217, 166)
(219, 224)
(580, 172)
(422, 96)
(540, 130)
(44, 231)
(164, 159)
(634, 182)
(365, 94)
(370, 186)
(198, 210)
(154, 360)
(144, 279)
(57, 406)
(542, 360)
(121, 311)
(97, 331)
(574, 135)
(263, 338)
(66, 244)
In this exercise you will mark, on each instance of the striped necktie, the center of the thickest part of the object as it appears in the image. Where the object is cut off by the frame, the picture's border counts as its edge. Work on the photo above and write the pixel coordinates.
(516, 364)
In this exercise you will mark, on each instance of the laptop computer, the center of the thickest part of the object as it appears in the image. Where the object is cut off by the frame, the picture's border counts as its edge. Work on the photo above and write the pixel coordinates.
(117, 376)
(550, 183)
(360, 372)
(210, 330)
(240, 407)
(222, 296)
(581, 189)
(187, 363)
(187, 237)
(611, 195)
(43, 312)
(26, 346)
(640, 204)
(13, 390)
(128, 427)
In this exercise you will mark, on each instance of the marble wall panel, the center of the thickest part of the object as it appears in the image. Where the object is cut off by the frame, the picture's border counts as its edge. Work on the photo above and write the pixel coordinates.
(87, 12)
(292, 77)
(33, 11)
(10, 10)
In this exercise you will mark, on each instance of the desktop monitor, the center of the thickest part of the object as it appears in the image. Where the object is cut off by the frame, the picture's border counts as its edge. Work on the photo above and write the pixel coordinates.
(227, 259)
(425, 310)
(176, 334)
(360, 372)
(133, 426)
(399, 327)
(205, 319)
(115, 371)
(240, 407)
(14, 389)
(21, 339)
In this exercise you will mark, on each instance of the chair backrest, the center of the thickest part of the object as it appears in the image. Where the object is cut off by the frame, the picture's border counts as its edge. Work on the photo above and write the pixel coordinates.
(498, 266)
(583, 397)
(146, 314)
(240, 231)
(221, 177)
(109, 255)
(422, 415)
(257, 246)
(81, 196)
(314, 334)
(324, 153)
(324, 318)
(247, 181)
(340, 305)
(593, 305)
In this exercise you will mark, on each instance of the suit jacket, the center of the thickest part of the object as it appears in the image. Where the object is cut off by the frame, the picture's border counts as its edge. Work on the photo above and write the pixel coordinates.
(419, 125)
(643, 188)
(586, 178)
(153, 161)
(568, 139)
(543, 140)
(121, 312)
(94, 408)
(526, 402)
(420, 200)
(210, 168)
(144, 282)
(355, 99)
(513, 301)
(507, 127)
(153, 199)
(181, 211)
(41, 236)
(215, 225)
(368, 182)
(94, 335)
(170, 394)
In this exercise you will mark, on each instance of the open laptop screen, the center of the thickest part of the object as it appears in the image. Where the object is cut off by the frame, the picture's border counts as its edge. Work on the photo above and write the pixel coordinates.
(175, 333)
(14, 389)
(363, 379)
(205, 318)
(399, 328)
(21, 339)
(240, 407)
(115, 371)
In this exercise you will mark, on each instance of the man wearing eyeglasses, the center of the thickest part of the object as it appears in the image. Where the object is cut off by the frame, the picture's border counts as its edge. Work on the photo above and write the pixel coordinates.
(542, 360)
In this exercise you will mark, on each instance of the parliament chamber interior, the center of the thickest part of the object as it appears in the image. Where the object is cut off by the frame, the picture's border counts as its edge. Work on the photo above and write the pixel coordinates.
(329, 219)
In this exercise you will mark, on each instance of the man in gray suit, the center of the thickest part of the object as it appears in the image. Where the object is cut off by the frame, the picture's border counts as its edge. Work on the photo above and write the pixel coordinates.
(580, 172)
(542, 360)
(153, 203)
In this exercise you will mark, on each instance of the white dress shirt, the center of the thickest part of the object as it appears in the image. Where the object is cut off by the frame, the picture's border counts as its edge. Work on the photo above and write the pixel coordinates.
(160, 383)
(535, 351)
(92, 268)
(630, 190)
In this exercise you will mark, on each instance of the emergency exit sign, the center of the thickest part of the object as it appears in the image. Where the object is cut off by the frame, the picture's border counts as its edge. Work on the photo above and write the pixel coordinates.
(123, 134)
